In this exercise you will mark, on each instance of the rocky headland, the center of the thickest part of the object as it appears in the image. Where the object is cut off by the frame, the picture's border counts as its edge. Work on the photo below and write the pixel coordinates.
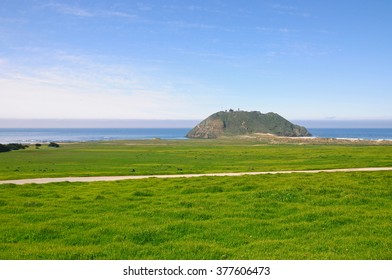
(236, 123)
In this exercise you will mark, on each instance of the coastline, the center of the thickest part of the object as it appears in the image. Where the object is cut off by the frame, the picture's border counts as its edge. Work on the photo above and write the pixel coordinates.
(262, 139)
(308, 139)
(32, 136)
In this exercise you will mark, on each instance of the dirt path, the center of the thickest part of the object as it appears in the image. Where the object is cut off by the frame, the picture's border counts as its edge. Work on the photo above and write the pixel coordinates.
(117, 178)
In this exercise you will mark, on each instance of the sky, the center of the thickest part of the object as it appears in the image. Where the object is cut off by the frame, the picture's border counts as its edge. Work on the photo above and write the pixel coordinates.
(186, 59)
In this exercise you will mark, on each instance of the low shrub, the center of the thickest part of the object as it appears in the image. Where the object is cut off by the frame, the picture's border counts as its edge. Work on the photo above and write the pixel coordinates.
(12, 147)
(53, 145)
(4, 148)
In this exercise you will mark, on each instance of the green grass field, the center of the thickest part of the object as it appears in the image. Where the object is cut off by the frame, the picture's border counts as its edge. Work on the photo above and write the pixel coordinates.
(176, 157)
(286, 216)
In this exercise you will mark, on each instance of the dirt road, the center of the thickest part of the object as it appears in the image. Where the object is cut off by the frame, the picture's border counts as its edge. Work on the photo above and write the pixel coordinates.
(117, 178)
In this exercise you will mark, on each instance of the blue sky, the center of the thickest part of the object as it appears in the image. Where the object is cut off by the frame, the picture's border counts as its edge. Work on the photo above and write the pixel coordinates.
(320, 60)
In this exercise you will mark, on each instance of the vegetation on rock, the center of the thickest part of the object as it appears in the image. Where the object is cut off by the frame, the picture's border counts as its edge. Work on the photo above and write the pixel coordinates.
(232, 123)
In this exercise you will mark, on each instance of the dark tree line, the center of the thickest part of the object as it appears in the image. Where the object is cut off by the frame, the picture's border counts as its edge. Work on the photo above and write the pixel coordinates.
(15, 146)
(12, 147)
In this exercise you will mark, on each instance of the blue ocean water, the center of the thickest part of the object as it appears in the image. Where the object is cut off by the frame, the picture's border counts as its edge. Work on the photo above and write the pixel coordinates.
(33, 135)
(353, 133)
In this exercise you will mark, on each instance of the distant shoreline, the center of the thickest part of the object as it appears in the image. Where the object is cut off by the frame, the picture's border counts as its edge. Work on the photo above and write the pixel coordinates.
(262, 140)
(79, 135)
(274, 139)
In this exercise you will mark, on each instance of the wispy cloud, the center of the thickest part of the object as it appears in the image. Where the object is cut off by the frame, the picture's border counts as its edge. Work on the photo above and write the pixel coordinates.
(116, 14)
(13, 20)
(195, 25)
(215, 9)
(82, 86)
(183, 24)
(205, 54)
(87, 13)
(297, 49)
(60, 94)
(144, 7)
(281, 7)
(204, 9)
(288, 10)
(281, 30)
(70, 10)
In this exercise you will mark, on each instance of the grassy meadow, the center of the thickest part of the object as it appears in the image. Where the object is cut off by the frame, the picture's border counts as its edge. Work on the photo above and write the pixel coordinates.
(282, 216)
(286, 216)
(182, 157)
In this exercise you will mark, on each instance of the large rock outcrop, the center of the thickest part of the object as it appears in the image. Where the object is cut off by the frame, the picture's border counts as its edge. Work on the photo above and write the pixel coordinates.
(234, 123)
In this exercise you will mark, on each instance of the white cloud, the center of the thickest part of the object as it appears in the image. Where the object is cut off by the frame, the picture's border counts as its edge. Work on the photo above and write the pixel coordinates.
(283, 7)
(182, 24)
(289, 10)
(35, 98)
(71, 10)
(86, 13)
(281, 30)
(144, 7)
(116, 14)
(78, 86)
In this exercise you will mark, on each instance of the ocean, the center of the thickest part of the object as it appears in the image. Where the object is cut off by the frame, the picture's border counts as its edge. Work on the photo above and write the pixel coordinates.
(353, 133)
(42, 135)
